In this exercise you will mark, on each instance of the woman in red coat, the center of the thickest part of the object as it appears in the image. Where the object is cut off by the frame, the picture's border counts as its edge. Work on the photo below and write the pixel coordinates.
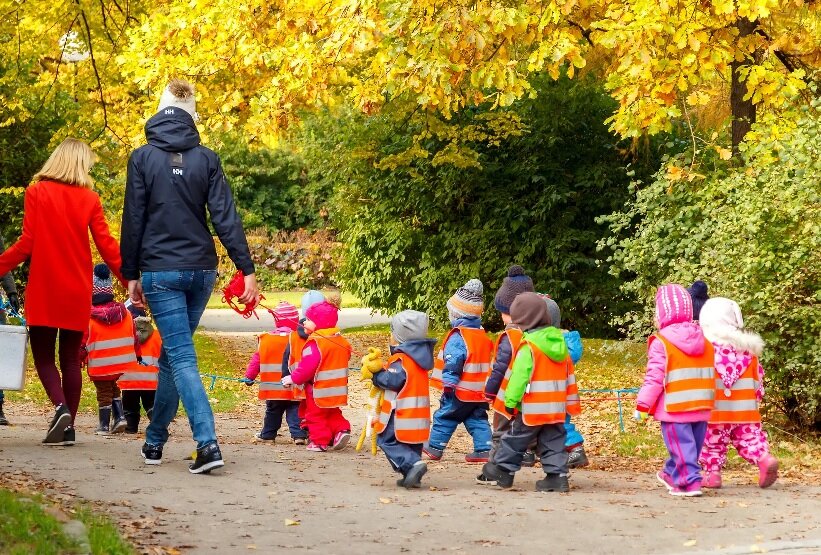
(60, 208)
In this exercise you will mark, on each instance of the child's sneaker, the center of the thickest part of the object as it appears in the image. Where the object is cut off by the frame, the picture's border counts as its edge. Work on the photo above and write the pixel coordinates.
(300, 441)
(690, 490)
(315, 448)
(478, 457)
(483, 480)
(712, 479)
(577, 458)
(767, 471)
(341, 441)
(529, 460)
(554, 482)
(258, 437)
(433, 453)
(666, 480)
(413, 479)
(502, 477)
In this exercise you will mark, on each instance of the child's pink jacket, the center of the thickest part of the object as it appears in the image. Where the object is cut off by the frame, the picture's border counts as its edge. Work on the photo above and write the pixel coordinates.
(688, 337)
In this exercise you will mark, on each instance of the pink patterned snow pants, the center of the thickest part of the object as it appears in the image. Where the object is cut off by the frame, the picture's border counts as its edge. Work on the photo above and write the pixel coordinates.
(750, 440)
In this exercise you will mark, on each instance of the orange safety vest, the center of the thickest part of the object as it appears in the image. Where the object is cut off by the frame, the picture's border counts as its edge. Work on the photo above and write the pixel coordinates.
(515, 337)
(412, 403)
(738, 405)
(146, 377)
(689, 382)
(271, 351)
(552, 392)
(111, 348)
(331, 379)
(297, 344)
(471, 384)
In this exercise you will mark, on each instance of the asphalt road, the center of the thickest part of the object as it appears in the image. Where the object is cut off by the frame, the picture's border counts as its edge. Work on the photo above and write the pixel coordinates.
(224, 320)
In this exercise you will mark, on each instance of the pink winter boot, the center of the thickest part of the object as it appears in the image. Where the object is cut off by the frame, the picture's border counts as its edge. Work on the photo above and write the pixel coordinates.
(712, 479)
(767, 471)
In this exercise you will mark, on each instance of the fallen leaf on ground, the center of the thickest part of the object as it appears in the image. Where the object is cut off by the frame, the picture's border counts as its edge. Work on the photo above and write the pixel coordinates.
(689, 543)
(289, 522)
(385, 500)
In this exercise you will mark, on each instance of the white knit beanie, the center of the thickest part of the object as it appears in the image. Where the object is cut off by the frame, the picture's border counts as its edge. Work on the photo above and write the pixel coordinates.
(179, 94)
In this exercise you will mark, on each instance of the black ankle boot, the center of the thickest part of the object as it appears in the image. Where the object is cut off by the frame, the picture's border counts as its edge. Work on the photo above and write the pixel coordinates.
(3, 420)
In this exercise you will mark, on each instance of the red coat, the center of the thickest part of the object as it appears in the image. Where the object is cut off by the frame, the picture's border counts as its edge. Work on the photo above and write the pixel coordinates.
(56, 222)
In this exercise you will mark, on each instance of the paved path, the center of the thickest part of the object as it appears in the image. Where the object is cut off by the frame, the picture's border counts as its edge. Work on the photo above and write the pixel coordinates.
(226, 320)
(278, 498)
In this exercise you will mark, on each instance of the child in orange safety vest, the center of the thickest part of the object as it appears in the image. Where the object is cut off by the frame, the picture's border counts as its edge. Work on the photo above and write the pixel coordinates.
(739, 389)
(323, 370)
(111, 349)
(404, 416)
(140, 386)
(538, 392)
(272, 361)
(678, 389)
(460, 372)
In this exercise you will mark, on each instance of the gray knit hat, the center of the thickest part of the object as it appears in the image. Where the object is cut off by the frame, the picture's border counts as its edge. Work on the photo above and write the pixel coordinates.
(467, 301)
(555, 313)
(529, 311)
(516, 282)
(409, 325)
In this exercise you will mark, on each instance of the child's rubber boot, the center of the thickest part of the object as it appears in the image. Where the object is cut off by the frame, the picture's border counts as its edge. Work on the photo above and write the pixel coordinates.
(502, 477)
(554, 482)
(479, 457)
(529, 460)
(767, 471)
(3, 420)
(577, 458)
(119, 423)
(105, 419)
(433, 453)
(132, 422)
(712, 479)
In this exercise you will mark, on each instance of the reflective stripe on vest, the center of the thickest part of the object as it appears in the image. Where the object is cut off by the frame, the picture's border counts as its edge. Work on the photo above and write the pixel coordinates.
(471, 385)
(111, 348)
(515, 337)
(739, 404)
(271, 352)
(147, 375)
(689, 382)
(411, 404)
(331, 379)
(552, 392)
(296, 343)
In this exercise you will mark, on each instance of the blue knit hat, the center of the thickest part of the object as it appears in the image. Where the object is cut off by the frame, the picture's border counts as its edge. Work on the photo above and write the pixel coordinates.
(515, 283)
(311, 298)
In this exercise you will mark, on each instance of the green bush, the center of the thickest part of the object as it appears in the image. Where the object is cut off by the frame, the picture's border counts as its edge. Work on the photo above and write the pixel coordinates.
(423, 204)
(754, 234)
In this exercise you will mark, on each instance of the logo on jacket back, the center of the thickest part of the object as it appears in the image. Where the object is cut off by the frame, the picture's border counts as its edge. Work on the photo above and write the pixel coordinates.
(177, 164)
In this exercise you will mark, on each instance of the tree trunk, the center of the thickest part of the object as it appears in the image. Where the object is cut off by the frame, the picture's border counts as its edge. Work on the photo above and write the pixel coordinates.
(743, 111)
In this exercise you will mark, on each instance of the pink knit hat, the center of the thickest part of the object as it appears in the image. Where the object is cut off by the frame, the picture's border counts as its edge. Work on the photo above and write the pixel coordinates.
(324, 315)
(286, 315)
(673, 305)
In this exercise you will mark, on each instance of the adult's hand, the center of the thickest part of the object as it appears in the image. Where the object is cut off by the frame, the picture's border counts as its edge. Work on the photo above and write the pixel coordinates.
(135, 293)
(251, 293)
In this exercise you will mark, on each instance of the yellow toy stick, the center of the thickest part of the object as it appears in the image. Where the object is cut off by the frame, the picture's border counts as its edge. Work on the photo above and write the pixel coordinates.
(371, 363)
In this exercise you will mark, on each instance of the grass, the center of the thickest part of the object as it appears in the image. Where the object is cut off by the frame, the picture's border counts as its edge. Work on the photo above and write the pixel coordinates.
(293, 297)
(28, 524)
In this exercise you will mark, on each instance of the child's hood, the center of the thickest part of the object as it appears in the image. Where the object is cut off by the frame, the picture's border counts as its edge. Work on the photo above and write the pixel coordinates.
(469, 322)
(686, 336)
(550, 341)
(109, 313)
(737, 339)
(420, 350)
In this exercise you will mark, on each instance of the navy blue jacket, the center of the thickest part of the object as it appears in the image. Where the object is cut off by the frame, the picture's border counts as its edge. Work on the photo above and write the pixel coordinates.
(171, 181)
(420, 351)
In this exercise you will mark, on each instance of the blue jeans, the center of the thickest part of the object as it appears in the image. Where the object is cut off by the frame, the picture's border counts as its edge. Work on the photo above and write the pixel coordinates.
(453, 412)
(177, 300)
(573, 435)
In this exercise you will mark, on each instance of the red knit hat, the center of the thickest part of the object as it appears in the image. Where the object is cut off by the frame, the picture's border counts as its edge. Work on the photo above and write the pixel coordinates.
(324, 315)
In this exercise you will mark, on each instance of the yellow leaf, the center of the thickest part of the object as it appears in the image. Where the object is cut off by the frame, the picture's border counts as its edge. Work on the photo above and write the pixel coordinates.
(725, 154)
(289, 522)
(689, 543)
(385, 500)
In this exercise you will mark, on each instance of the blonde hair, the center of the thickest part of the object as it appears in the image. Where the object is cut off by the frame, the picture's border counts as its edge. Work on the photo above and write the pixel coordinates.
(69, 163)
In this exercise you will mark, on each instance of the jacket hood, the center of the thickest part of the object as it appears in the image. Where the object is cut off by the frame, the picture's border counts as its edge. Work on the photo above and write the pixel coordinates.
(739, 340)
(687, 336)
(468, 322)
(550, 341)
(109, 313)
(172, 132)
(420, 350)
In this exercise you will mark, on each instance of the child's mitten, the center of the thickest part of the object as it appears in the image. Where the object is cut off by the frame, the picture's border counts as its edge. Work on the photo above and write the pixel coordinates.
(287, 381)
(247, 381)
(639, 416)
